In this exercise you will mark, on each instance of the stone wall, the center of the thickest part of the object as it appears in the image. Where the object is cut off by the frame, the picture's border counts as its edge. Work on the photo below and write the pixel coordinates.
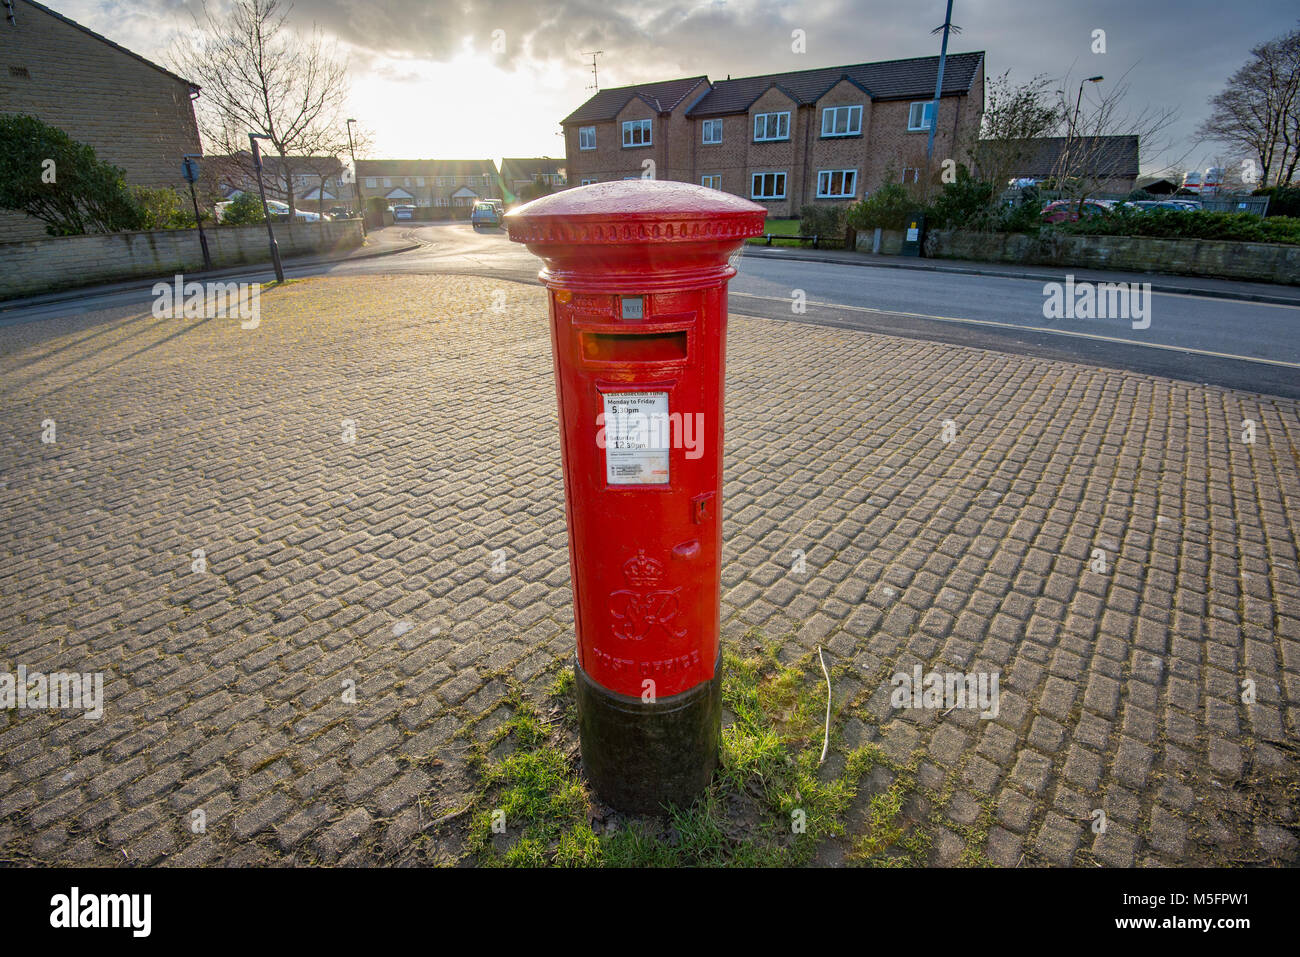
(1263, 262)
(62, 262)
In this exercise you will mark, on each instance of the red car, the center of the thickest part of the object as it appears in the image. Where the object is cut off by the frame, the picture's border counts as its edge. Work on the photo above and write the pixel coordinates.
(1067, 210)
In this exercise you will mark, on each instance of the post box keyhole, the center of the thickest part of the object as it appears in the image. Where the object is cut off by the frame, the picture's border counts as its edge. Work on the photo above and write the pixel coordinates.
(702, 508)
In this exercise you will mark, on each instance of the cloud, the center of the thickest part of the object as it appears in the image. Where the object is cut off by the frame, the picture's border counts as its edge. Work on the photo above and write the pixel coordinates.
(1180, 52)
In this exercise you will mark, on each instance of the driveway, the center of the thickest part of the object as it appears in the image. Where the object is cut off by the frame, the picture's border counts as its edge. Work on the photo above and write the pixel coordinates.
(280, 547)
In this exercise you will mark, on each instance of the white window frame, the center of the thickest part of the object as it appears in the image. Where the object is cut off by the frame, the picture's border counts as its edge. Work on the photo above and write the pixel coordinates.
(764, 117)
(754, 178)
(711, 180)
(852, 125)
(916, 174)
(715, 125)
(586, 137)
(372, 182)
(645, 127)
(848, 183)
(927, 106)
(388, 182)
(419, 181)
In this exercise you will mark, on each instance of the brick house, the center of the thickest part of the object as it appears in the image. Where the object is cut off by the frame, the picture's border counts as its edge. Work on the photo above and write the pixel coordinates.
(437, 183)
(828, 135)
(318, 181)
(136, 115)
(519, 173)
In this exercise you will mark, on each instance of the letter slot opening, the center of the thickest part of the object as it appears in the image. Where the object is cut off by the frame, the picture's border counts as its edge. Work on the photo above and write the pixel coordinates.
(646, 347)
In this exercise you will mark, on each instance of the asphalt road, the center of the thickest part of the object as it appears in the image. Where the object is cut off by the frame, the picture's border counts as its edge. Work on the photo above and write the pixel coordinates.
(1237, 344)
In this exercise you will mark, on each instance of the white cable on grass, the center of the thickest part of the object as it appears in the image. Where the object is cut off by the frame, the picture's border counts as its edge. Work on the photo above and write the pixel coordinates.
(826, 741)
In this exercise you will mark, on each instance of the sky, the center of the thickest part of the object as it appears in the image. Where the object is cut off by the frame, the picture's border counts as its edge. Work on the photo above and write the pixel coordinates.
(493, 78)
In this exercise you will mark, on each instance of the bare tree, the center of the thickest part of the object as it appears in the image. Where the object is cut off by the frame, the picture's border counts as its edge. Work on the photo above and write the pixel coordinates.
(1258, 112)
(1016, 118)
(327, 156)
(260, 76)
(1102, 134)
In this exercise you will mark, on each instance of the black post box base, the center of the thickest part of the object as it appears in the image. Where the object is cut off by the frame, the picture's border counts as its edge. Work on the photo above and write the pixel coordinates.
(640, 756)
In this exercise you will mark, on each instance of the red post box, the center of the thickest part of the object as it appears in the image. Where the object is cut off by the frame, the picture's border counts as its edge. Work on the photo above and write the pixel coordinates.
(637, 272)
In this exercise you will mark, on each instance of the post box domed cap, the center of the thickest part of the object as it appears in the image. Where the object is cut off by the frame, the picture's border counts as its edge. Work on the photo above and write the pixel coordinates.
(635, 211)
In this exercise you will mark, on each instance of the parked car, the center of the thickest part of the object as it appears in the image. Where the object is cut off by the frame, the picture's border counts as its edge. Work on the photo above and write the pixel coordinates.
(280, 212)
(485, 214)
(403, 213)
(1067, 210)
(341, 212)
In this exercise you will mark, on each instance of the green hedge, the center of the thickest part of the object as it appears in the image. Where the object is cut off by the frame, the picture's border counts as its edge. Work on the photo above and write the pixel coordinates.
(1194, 224)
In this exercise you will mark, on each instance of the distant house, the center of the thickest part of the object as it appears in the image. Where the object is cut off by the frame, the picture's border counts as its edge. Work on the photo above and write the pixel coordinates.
(517, 174)
(1110, 162)
(784, 140)
(318, 181)
(136, 114)
(438, 183)
(1158, 186)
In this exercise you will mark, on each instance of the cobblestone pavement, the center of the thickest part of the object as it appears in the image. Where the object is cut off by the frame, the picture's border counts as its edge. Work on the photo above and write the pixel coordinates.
(372, 561)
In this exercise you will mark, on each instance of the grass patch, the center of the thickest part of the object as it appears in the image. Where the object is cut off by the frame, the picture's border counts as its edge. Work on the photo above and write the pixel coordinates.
(770, 804)
(778, 228)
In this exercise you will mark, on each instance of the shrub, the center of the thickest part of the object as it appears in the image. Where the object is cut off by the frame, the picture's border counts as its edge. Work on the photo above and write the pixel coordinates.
(964, 204)
(47, 174)
(1197, 224)
(890, 207)
(825, 221)
(1282, 200)
(244, 210)
(163, 208)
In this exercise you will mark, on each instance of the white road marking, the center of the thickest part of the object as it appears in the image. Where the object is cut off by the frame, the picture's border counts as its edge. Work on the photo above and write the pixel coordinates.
(1019, 328)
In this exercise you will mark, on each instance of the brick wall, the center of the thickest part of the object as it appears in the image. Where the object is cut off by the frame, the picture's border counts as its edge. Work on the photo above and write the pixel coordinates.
(66, 261)
(133, 114)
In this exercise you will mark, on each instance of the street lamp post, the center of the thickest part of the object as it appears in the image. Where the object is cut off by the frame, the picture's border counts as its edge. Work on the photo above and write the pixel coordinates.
(356, 180)
(261, 188)
(1074, 123)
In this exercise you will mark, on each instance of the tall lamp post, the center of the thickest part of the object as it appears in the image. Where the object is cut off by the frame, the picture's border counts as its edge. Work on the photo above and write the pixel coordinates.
(938, 84)
(1074, 123)
(261, 188)
(356, 180)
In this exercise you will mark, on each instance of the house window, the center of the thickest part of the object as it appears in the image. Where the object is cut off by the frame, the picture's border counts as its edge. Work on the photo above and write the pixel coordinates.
(842, 121)
(837, 183)
(712, 131)
(768, 186)
(371, 182)
(586, 181)
(636, 133)
(586, 137)
(419, 181)
(911, 174)
(387, 182)
(920, 116)
(712, 182)
(771, 126)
